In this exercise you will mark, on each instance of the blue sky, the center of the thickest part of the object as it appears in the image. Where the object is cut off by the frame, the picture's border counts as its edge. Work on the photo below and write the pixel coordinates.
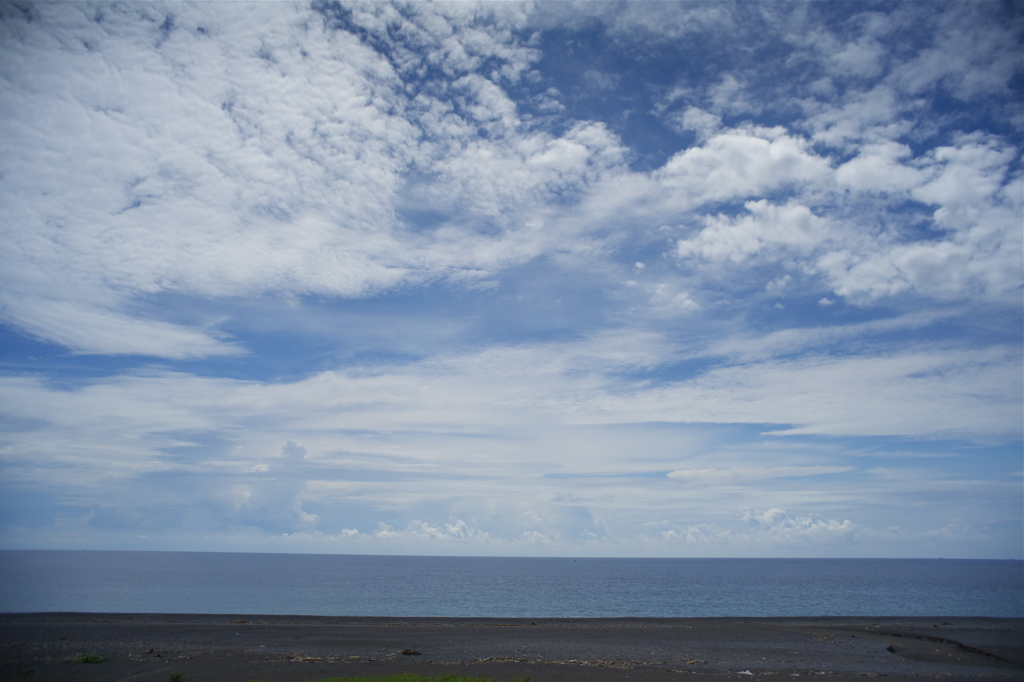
(581, 279)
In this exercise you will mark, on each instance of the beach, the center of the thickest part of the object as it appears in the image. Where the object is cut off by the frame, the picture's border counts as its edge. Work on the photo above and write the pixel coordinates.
(240, 648)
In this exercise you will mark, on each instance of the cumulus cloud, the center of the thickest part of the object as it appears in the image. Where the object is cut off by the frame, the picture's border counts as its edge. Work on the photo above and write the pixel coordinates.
(767, 227)
(236, 155)
(777, 525)
(956, 528)
(702, 122)
(860, 58)
(402, 264)
(969, 182)
(979, 210)
(871, 115)
(970, 174)
(421, 531)
(729, 97)
(739, 163)
(291, 449)
(877, 169)
(697, 534)
(770, 530)
(967, 57)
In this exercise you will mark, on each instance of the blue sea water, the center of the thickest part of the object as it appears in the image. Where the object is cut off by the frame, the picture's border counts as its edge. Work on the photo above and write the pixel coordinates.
(344, 585)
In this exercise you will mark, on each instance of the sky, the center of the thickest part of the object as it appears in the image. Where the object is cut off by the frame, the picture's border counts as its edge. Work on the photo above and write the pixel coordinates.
(665, 279)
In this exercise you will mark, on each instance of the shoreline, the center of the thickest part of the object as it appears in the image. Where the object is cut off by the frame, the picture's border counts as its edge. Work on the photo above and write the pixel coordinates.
(226, 647)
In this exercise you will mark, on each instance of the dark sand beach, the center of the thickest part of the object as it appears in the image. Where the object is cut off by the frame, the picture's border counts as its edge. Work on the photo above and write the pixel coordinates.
(229, 648)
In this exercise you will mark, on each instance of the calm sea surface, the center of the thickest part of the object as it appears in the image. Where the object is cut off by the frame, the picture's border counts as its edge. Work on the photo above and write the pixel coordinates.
(339, 585)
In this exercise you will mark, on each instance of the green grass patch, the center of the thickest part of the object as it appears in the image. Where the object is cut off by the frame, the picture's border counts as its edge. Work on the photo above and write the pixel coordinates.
(90, 658)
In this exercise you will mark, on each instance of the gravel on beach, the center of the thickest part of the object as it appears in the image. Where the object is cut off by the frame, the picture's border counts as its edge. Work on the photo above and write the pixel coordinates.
(240, 648)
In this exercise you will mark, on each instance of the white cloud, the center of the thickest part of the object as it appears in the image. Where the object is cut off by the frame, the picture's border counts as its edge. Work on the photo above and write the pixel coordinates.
(258, 156)
(871, 115)
(666, 299)
(778, 526)
(704, 123)
(509, 412)
(770, 530)
(486, 102)
(947, 392)
(877, 169)
(970, 55)
(970, 175)
(661, 22)
(555, 325)
(741, 163)
(421, 531)
(968, 181)
(744, 348)
(729, 98)
(861, 58)
(291, 449)
(779, 285)
(978, 203)
(253, 155)
(956, 528)
(766, 228)
(698, 534)
(89, 329)
(500, 182)
(750, 474)
(195, 168)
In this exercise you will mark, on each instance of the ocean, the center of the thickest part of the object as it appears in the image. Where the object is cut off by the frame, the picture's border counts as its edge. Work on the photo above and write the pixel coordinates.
(418, 586)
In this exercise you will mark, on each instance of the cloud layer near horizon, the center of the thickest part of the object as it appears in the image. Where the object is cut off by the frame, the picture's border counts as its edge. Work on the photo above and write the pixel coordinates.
(659, 279)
